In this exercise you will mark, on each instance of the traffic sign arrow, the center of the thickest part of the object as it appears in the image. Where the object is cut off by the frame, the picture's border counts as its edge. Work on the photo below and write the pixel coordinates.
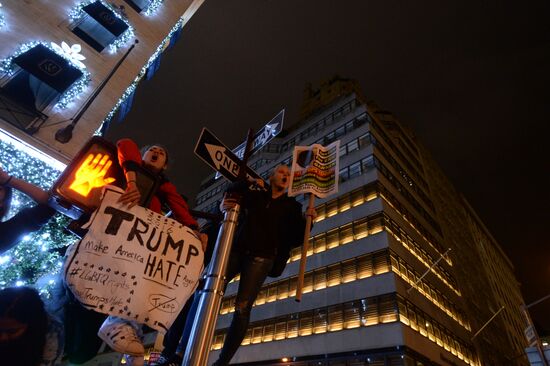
(214, 153)
(262, 137)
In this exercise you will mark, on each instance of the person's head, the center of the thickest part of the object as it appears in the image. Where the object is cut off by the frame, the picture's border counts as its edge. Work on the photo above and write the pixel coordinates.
(280, 177)
(23, 326)
(155, 157)
(5, 200)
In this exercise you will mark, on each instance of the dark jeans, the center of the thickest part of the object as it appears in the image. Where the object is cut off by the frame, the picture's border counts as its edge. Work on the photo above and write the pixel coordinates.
(253, 272)
(172, 337)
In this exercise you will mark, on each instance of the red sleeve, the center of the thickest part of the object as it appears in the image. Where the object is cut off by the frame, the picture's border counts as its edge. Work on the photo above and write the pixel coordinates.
(128, 151)
(178, 205)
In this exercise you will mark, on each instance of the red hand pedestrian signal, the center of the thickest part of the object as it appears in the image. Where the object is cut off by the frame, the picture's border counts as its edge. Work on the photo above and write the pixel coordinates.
(91, 174)
(78, 189)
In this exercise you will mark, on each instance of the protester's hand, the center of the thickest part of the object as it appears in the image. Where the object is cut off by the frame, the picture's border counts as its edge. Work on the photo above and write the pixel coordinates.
(3, 176)
(132, 196)
(91, 174)
(203, 238)
(259, 182)
(311, 213)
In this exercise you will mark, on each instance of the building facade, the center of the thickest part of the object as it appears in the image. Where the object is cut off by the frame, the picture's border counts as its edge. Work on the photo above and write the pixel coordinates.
(68, 66)
(67, 69)
(400, 270)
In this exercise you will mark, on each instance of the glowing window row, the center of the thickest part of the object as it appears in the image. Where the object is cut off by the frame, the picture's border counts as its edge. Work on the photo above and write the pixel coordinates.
(336, 274)
(368, 193)
(392, 228)
(365, 312)
(354, 314)
(420, 322)
(364, 227)
(406, 272)
(411, 219)
(348, 271)
(342, 235)
(370, 225)
(331, 239)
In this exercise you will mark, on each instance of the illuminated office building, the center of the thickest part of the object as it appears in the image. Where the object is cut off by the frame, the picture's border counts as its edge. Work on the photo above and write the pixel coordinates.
(370, 297)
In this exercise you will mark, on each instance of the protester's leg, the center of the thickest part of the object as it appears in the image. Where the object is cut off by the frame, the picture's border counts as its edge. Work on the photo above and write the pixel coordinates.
(172, 337)
(233, 267)
(81, 326)
(253, 274)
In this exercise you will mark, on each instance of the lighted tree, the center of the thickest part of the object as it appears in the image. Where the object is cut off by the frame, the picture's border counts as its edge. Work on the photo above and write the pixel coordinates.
(36, 259)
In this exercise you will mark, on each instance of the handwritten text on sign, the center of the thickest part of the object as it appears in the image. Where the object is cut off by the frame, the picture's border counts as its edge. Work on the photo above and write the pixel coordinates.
(135, 264)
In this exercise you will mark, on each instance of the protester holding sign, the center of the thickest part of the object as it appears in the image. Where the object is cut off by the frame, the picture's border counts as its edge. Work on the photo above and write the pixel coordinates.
(272, 225)
(119, 334)
(26, 220)
(154, 159)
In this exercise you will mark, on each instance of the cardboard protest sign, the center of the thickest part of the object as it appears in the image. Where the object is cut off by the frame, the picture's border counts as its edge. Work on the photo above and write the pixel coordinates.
(315, 170)
(135, 264)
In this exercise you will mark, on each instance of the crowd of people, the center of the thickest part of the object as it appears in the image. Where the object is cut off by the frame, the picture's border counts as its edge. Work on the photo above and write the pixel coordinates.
(34, 333)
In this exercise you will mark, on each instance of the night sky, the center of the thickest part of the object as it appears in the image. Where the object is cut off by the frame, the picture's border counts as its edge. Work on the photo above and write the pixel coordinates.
(471, 79)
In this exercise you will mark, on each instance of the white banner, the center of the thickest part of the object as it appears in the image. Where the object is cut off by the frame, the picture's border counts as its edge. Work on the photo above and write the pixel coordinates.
(135, 264)
(315, 170)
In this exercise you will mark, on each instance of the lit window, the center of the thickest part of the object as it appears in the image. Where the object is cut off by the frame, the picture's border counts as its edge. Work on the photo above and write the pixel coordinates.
(139, 5)
(99, 26)
(39, 78)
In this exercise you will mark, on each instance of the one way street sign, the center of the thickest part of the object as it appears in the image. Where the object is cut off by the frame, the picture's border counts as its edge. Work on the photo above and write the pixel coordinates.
(214, 153)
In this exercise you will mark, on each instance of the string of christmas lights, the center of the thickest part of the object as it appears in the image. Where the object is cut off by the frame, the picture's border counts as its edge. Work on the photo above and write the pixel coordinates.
(35, 261)
(153, 7)
(141, 73)
(2, 18)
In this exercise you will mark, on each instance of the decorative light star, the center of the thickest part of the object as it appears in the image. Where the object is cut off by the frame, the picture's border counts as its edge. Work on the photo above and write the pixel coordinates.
(72, 53)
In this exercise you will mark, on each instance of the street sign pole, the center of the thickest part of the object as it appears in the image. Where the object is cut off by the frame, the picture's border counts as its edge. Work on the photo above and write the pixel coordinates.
(198, 347)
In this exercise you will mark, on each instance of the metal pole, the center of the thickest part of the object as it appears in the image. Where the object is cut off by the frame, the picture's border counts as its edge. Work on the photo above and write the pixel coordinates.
(488, 321)
(59, 135)
(198, 348)
(428, 270)
(538, 301)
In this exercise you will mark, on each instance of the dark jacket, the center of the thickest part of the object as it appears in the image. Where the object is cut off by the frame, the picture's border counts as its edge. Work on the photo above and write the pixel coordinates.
(24, 222)
(269, 228)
